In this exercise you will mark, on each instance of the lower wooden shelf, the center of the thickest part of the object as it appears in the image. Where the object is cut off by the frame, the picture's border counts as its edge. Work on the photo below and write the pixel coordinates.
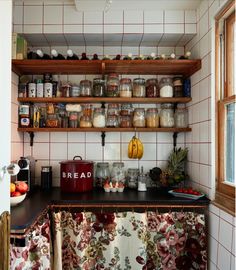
(106, 129)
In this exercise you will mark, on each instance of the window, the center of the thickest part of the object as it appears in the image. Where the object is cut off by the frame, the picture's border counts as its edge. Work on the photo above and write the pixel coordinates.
(225, 108)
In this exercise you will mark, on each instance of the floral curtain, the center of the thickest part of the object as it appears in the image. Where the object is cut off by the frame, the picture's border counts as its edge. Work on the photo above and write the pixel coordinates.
(35, 255)
(129, 240)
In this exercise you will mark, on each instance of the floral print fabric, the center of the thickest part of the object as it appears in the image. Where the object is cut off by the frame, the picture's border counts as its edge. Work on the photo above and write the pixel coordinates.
(35, 255)
(129, 241)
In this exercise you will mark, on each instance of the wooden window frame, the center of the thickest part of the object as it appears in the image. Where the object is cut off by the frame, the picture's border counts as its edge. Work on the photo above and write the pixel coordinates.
(225, 193)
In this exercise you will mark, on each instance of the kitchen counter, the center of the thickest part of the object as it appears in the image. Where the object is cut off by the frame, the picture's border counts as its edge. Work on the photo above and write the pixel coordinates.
(26, 213)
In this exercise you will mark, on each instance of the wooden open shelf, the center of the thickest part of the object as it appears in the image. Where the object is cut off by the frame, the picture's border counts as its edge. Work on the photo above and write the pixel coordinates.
(135, 67)
(104, 129)
(106, 100)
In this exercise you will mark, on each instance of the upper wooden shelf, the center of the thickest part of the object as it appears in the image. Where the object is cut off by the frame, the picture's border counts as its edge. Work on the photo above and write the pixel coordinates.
(106, 100)
(135, 67)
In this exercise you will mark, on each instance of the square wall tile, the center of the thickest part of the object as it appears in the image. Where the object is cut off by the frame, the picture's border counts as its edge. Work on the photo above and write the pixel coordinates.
(225, 234)
(72, 16)
(163, 151)
(55, 168)
(53, 14)
(133, 17)
(190, 28)
(33, 14)
(76, 149)
(112, 151)
(223, 258)
(93, 29)
(174, 28)
(113, 137)
(58, 137)
(214, 226)
(203, 25)
(38, 167)
(76, 137)
(94, 151)
(113, 17)
(154, 29)
(150, 151)
(16, 150)
(203, 110)
(73, 29)
(32, 29)
(153, 16)
(58, 151)
(174, 16)
(213, 248)
(18, 14)
(233, 262)
(203, 133)
(93, 17)
(53, 29)
(203, 149)
(41, 150)
(190, 16)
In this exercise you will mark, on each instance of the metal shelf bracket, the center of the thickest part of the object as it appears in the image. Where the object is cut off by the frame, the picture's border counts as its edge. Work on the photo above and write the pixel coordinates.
(103, 135)
(31, 134)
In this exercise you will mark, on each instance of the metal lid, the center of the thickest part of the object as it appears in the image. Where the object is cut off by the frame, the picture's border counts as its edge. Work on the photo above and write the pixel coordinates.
(46, 168)
(74, 161)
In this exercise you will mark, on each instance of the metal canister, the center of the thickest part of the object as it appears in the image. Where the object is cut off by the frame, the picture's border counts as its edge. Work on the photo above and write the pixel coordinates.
(46, 177)
(48, 89)
(32, 89)
(39, 88)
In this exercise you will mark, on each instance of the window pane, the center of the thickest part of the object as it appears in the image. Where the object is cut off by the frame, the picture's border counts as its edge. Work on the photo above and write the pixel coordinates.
(230, 143)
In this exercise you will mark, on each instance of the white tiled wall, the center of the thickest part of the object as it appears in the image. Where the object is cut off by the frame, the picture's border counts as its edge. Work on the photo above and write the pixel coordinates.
(200, 140)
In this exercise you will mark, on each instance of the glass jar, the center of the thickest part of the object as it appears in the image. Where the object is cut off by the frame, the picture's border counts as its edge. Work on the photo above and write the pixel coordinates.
(178, 87)
(125, 121)
(132, 178)
(125, 87)
(166, 87)
(167, 115)
(139, 117)
(86, 88)
(112, 88)
(102, 174)
(112, 121)
(126, 109)
(99, 119)
(52, 121)
(117, 173)
(65, 90)
(98, 87)
(181, 116)
(87, 110)
(75, 91)
(139, 88)
(152, 118)
(152, 89)
(113, 109)
(85, 121)
(73, 120)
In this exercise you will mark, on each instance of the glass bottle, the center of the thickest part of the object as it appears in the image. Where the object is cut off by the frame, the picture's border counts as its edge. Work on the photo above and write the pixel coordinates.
(139, 117)
(99, 119)
(167, 115)
(102, 174)
(125, 87)
(117, 173)
(85, 88)
(166, 87)
(112, 88)
(152, 118)
(139, 88)
(181, 116)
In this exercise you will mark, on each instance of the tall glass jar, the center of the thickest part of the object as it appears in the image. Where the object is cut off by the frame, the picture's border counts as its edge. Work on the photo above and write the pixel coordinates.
(117, 173)
(112, 88)
(98, 87)
(132, 178)
(167, 115)
(125, 87)
(102, 174)
(139, 88)
(152, 89)
(178, 87)
(152, 118)
(139, 117)
(99, 119)
(166, 87)
(85, 88)
(181, 116)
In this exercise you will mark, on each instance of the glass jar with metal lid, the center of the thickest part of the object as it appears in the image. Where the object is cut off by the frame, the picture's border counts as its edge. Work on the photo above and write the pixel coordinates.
(125, 121)
(125, 87)
(132, 178)
(112, 121)
(113, 109)
(167, 115)
(117, 172)
(99, 119)
(75, 91)
(98, 87)
(112, 88)
(152, 89)
(181, 116)
(126, 109)
(85, 121)
(139, 117)
(102, 174)
(152, 118)
(139, 88)
(86, 88)
(166, 87)
(178, 87)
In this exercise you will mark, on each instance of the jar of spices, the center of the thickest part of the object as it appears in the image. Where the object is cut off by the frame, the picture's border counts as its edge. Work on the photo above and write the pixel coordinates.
(132, 178)
(126, 109)
(167, 115)
(112, 89)
(73, 120)
(152, 89)
(85, 121)
(125, 87)
(139, 117)
(39, 88)
(99, 119)
(181, 116)
(113, 109)
(87, 110)
(152, 118)
(98, 87)
(117, 172)
(139, 88)
(112, 121)
(102, 174)
(65, 89)
(166, 87)
(125, 121)
(52, 121)
(86, 88)
(75, 91)
(178, 87)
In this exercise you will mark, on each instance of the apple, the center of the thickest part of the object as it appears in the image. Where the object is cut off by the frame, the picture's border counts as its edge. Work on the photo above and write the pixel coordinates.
(16, 194)
(21, 186)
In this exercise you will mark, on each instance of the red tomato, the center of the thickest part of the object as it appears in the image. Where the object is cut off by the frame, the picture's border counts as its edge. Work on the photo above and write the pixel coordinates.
(15, 194)
(22, 187)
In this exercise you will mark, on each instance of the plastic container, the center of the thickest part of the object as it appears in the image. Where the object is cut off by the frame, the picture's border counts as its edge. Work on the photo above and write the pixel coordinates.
(152, 118)
(167, 115)
(139, 88)
(125, 87)
(166, 87)
(139, 117)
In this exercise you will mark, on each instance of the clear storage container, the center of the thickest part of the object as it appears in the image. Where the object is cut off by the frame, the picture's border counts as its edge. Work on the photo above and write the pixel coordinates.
(112, 88)
(152, 89)
(181, 116)
(166, 87)
(85, 88)
(132, 178)
(178, 87)
(139, 88)
(99, 119)
(125, 87)
(117, 173)
(102, 174)
(139, 117)
(98, 87)
(152, 118)
(167, 115)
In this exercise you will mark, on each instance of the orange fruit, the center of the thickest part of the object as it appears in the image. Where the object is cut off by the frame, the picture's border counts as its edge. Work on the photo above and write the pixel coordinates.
(12, 187)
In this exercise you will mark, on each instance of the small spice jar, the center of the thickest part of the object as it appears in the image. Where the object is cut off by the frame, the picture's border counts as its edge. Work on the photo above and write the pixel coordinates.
(112, 89)
(112, 121)
(99, 119)
(181, 116)
(85, 88)
(73, 120)
(113, 109)
(167, 115)
(125, 87)
(139, 117)
(125, 121)
(178, 87)
(98, 87)
(65, 90)
(85, 121)
(75, 91)
(139, 88)
(87, 110)
(166, 87)
(102, 174)
(152, 89)
(152, 118)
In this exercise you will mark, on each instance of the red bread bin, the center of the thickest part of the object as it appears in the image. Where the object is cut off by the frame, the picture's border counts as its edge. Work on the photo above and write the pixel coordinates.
(76, 175)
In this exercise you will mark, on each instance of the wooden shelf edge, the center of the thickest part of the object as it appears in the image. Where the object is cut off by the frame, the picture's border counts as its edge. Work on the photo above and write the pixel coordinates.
(104, 129)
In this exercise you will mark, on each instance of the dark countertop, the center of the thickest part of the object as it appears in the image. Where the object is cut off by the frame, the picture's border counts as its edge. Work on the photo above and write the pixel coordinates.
(25, 214)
